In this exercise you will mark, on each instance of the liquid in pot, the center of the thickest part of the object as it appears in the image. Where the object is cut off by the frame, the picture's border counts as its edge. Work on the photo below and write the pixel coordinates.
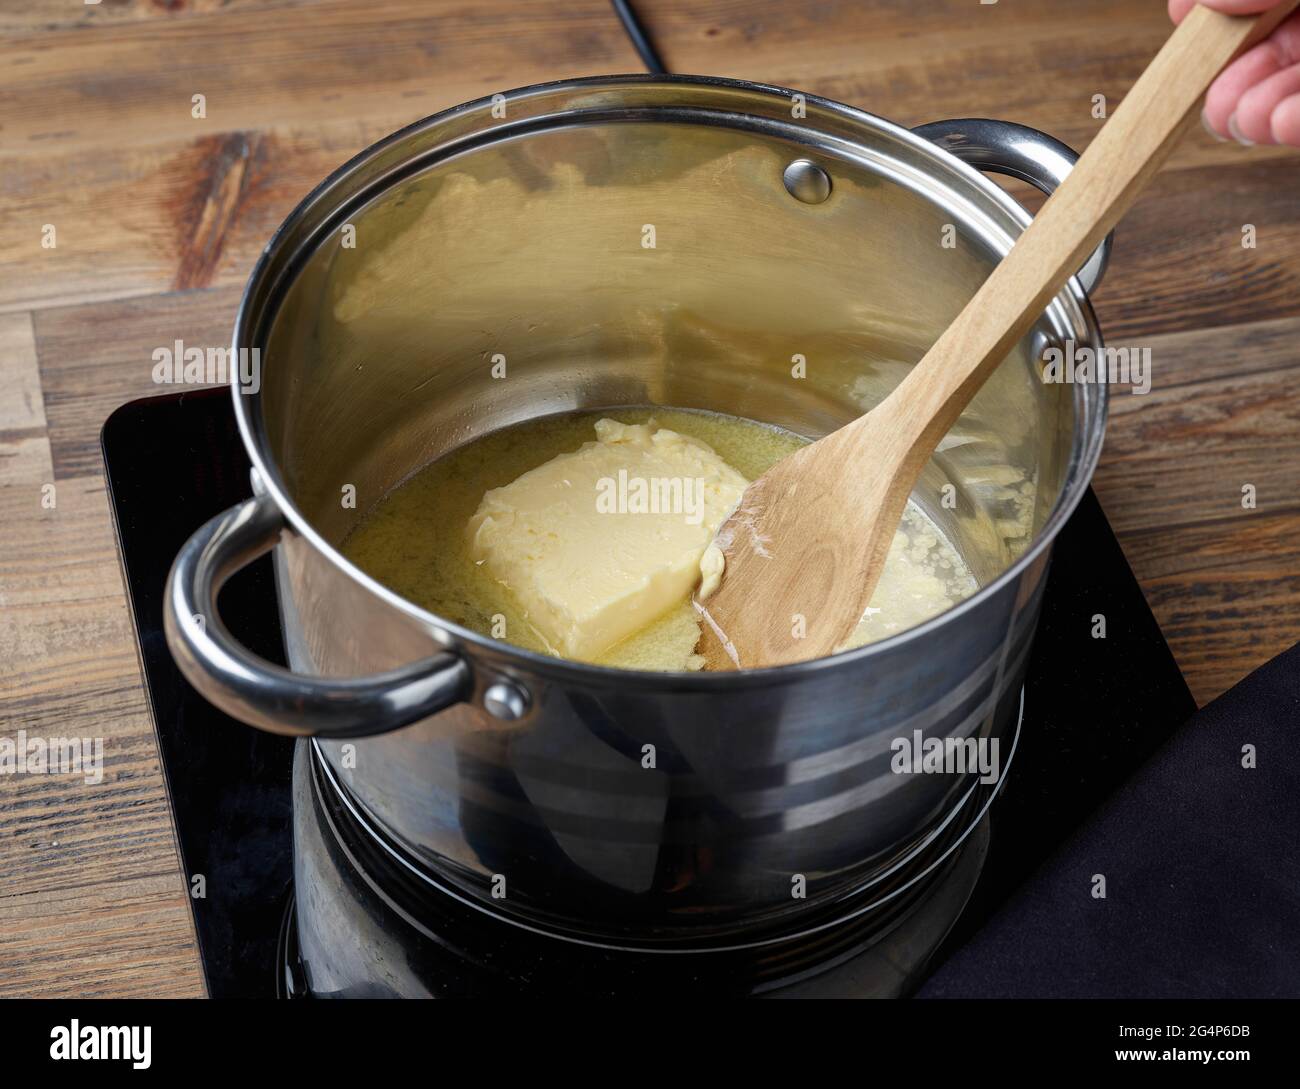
(415, 542)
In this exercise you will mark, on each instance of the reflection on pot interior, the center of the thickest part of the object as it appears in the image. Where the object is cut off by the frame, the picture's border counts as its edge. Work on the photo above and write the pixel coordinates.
(581, 535)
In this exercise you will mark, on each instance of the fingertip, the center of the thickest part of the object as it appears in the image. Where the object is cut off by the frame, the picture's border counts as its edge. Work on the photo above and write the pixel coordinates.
(1257, 106)
(1285, 121)
(1210, 129)
(1220, 105)
(1251, 68)
(1234, 130)
(1250, 124)
(1237, 7)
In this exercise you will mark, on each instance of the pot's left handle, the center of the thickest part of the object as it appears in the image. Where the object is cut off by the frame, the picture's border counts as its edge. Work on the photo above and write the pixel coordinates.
(254, 690)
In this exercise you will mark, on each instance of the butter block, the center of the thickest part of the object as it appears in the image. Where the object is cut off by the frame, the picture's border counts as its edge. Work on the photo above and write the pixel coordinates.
(598, 543)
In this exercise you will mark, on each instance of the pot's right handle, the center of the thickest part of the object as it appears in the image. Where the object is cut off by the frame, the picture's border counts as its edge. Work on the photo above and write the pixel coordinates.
(249, 688)
(1018, 151)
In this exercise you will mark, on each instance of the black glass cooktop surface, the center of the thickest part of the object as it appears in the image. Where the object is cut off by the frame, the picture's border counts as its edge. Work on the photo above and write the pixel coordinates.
(1095, 708)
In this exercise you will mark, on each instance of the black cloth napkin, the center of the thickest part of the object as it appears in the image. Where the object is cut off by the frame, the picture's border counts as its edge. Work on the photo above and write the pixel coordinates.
(1200, 855)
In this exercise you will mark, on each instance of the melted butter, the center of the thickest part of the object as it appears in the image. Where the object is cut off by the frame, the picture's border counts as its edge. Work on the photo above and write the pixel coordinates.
(414, 540)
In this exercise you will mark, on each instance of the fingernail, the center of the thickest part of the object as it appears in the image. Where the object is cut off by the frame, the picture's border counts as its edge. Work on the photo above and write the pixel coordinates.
(1205, 124)
(1236, 132)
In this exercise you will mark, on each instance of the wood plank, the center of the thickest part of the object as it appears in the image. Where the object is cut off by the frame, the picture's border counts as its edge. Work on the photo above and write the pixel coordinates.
(1222, 580)
(24, 446)
(157, 218)
(89, 869)
(393, 61)
(119, 937)
(21, 408)
(86, 376)
(1225, 593)
(1182, 454)
(43, 16)
(1194, 355)
(1179, 261)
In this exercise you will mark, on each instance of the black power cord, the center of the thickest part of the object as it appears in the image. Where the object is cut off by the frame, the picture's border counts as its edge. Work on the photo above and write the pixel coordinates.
(640, 39)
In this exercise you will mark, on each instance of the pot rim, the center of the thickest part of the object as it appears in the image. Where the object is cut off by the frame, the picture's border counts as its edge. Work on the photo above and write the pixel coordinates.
(1084, 454)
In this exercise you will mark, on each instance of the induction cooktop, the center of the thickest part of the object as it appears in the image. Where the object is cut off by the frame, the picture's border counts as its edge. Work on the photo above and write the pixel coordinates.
(1094, 708)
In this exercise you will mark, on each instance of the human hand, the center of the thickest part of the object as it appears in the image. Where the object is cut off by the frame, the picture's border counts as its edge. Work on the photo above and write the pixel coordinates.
(1256, 99)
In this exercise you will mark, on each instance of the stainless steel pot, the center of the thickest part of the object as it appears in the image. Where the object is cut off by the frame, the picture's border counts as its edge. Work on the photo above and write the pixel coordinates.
(517, 230)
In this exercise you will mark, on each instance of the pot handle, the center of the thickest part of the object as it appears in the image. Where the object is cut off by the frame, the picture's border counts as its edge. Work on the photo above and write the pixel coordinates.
(1003, 147)
(254, 690)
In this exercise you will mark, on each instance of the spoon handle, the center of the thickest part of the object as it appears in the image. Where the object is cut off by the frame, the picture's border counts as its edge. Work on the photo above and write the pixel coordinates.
(1128, 150)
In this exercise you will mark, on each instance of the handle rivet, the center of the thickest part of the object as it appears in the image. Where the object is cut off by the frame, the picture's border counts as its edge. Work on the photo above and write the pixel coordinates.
(505, 701)
(806, 181)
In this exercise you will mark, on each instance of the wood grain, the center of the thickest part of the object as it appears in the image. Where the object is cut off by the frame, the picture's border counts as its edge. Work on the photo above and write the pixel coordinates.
(85, 376)
(91, 885)
(1225, 592)
(24, 447)
(261, 67)
(1223, 412)
(34, 16)
(1184, 453)
(159, 216)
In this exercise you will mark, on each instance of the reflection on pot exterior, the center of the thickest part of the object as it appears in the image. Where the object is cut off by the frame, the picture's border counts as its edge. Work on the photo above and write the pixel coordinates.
(366, 926)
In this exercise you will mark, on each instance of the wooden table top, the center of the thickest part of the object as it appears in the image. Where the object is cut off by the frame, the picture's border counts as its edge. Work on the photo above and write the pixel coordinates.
(158, 217)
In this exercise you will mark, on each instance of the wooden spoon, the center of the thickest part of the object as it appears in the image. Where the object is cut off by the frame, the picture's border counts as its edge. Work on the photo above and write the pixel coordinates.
(805, 546)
